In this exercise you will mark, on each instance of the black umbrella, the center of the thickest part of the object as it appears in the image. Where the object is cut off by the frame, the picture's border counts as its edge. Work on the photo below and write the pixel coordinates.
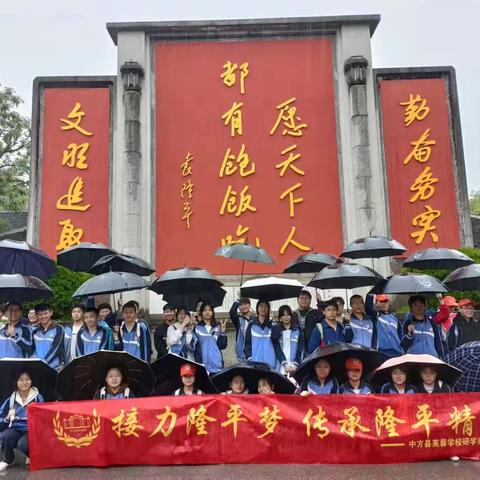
(373, 247)
(22, 288)
(81, 378)
(111, 282)
(244, 251)
(310, 263)
(82, 257)
(336, 355)
(437, 259)
(20, 257)
(122, 263)
(167, 372)
(464, 278)
(271, 288)
(345, 275)
(252, 373)
(466, 358)
(213, 296)
(410, 284)
(43, 376)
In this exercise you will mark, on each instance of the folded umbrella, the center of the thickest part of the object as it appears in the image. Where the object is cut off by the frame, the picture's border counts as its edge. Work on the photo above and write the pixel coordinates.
(373, 247)
(271, 288)
(410, 284)
(437, 259)
(167, 373)
(466, 358)
(20, 257)
(464, 278)
(81, 378)
(336, 354)
(310, 263)
(43, 376)
(111, 282)
(23, 288)
(252, 373)
(122, 263)
(82, 257)
(412, 365)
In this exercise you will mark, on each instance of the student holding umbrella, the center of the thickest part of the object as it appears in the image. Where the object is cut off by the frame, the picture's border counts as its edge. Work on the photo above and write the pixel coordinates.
(465, 327)
(321, 381)
(398, 382)
(240, 314)
(364, 327)
(189, 387)
(430, 383)
(355, 384)
(115, 387)
(15, 339)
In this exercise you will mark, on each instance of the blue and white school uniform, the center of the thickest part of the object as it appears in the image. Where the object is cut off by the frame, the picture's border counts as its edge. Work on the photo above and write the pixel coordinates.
(70, 341)
(262, 343)
(211, 340)
(48, 345)
(18, 346)
(291, 347)
(104, 394)
(136, 341)
(364, 389)
(364, 331)
(241, 323)
(311, 385)
(391, 388)
(91, 343)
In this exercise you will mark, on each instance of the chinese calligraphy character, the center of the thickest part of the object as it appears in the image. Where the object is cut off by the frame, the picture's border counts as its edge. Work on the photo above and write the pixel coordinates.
(270, 419)
(416, 109)
(187, 189)
(229, 75)
(290, 240)
(166, 424)
(291, 197)
(316, 422)
(288, 116)
(75, 155)
(235, 205)
(234, 118)
(77, 115)
(69, 235)
(459, 417)
(425, 220)
(198, 419)
(352, 422)
(422, 149)
(187, 213)
(185, 166)
(232, 163)
(289, 161)
(424, 417)
(386, 419)
(423, 186)
(241, 230)
(126, 425)
(73, 199)
(234, 416)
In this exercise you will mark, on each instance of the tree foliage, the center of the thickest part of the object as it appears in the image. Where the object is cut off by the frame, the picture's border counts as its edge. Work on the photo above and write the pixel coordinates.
(475, 202)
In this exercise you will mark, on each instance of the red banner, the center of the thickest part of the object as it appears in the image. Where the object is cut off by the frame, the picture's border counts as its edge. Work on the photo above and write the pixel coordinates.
(75, 167)
(255, 429)
(420, 171)
(246, 150)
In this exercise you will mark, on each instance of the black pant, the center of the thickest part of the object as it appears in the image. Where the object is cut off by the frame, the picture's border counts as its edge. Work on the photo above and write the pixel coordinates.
(14, 439)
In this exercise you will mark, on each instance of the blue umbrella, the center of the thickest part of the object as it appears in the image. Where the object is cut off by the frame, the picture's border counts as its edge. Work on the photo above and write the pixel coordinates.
(466, 358)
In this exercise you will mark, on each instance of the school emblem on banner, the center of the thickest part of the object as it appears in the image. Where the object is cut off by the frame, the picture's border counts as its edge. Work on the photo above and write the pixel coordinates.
(77, 430)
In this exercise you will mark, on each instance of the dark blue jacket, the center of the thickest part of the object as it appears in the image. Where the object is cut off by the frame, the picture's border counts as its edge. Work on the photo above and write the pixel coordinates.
(19, 346)
(427, 337)
(241, 323)
(365, 388)
(390, 388)
(21, 411)
(324, 334)
(49, 345)
(262, 343)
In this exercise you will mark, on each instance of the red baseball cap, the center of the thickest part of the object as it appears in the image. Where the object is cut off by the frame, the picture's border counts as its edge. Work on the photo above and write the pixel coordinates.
(450, 301)
(382, 298)
(464, 302)
(354, 364)
(187, 370)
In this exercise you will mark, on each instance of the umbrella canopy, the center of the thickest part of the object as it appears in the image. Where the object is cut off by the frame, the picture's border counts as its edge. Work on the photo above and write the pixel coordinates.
(373, 247)
(167, 373)
(122, 263)
(111, 282)
(82, 257)
(271, 288)
(189, 299)
(466, 358)
(345, 275)
(437, 259)
(20, 257)
(410, 284)
(310, 263)
(22, 288)
(336, 355)
(252, 373)
(412, 364)
(464, 278)
(43, 376)
(244, 251)
(81, 378)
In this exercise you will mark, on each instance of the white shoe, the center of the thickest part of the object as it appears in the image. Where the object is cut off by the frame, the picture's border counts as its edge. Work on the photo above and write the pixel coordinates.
(27, 461)
(3, 466)
(455, 459)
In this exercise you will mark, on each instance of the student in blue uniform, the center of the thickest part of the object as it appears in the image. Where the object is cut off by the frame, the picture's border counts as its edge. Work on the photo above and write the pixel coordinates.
(321, 381)
(77, 312)
(15, 339)
(48, 338)
(181, 337)
(92, 337)
(430, 382)
(13, 419)
(291, 342)
(115, 388)
(134, 335)
(261, 338)
(212, 338)
(240, 315)
(399, 383)
(355, 384)
(364, 327)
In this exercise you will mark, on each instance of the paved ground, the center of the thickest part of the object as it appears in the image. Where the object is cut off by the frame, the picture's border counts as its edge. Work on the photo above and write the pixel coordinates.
(418, 471)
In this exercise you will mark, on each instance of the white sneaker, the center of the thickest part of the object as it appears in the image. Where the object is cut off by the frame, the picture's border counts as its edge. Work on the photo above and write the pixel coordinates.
(455, 459)
(3, 466)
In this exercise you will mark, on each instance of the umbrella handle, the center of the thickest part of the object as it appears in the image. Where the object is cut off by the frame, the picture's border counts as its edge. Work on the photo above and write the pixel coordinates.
(241, 276)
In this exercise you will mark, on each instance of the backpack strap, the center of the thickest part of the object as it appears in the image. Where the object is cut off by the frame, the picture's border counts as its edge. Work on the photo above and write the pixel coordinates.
(320, 329)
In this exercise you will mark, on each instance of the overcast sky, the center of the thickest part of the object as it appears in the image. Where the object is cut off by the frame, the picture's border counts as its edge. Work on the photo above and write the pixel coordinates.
(52, 37)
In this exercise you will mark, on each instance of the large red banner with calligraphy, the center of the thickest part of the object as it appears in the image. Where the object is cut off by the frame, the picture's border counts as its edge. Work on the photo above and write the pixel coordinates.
(75, 156)
(420, 171)
(255, 429)
(245, 151)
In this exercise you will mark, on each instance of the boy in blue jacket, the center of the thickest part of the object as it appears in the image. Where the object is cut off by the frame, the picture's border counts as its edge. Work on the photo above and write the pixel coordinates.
(15, 339)
(77, 312)
(364, 327)
(240, 315)
(48, 338)
(92, 337)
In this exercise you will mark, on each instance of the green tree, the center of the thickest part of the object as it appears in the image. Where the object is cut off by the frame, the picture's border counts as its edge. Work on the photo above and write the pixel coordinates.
(475, 202)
